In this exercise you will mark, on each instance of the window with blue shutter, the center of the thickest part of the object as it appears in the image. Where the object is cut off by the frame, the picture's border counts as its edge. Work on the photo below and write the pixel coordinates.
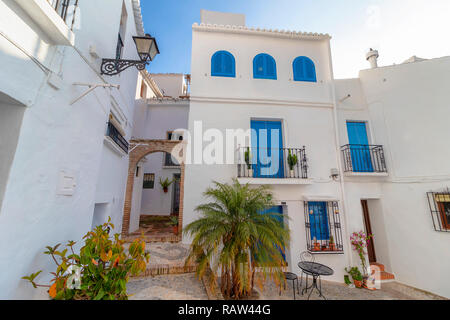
(304, 70)
(223, 64)
(318, 219)
(264, 67)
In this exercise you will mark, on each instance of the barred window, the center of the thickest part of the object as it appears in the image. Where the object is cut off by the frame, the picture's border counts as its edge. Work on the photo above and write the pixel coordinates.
(149, 180)
(440, 209)
(323, 227)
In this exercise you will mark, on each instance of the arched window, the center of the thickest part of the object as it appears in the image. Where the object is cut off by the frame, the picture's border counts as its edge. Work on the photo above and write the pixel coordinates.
(223, 65)
(264, 67)
(304, 69)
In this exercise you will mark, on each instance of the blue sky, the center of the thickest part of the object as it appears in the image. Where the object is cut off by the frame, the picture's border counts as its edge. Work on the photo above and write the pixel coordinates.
(397, 28)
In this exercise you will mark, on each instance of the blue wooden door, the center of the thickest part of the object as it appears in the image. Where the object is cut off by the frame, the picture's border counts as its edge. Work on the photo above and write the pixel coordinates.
(318, 220)
(267, 149)
(277, 210)
(359, 147)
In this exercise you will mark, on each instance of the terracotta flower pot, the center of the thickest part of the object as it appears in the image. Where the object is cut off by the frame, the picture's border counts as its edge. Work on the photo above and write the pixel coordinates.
(166, 189)
(175, 230)
(317, 246)
(332, 247)
(357, 283)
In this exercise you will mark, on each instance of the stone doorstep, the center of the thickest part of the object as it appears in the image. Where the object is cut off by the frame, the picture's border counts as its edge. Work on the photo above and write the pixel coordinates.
(383, 276)
(164, 269)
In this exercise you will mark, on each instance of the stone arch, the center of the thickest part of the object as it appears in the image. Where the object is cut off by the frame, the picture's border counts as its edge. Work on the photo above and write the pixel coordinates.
(138, 150)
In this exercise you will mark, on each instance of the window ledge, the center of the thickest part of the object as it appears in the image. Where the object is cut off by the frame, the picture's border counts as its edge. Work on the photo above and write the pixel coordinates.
(171, 167)
(325, 252)
(49, 21)
(366, 174)
(113, 146)
(270, 181)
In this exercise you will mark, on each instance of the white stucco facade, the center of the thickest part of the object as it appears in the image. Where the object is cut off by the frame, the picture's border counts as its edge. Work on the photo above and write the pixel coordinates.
(163, 110)
(60, 174)
(405, 108)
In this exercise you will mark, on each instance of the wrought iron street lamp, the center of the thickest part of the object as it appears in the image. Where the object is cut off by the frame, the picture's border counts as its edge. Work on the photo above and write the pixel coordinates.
(147, 49)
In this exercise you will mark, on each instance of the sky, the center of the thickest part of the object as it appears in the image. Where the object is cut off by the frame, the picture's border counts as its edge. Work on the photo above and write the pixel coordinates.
(398, 29)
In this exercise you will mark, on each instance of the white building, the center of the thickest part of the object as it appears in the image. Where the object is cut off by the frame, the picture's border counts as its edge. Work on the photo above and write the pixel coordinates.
(377, 142)
(63, 154)
(161, 113)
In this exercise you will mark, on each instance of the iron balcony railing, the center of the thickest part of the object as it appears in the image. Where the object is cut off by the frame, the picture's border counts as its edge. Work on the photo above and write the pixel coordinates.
(66, 9)
(275, 163)
(363, 158)
(117, 137)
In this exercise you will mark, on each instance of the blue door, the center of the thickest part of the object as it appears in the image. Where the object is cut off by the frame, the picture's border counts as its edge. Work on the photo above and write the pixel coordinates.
(277, 210)
(267, 149)
(359, 147)
(318, 220)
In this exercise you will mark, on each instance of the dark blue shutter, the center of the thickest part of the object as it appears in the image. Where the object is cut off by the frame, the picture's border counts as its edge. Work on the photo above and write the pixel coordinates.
(223, 64)
(318, 219)
(304, 70)
(264, 67)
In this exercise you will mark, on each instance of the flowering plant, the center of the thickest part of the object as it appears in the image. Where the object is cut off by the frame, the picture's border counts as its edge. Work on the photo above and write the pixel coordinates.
(360, 241)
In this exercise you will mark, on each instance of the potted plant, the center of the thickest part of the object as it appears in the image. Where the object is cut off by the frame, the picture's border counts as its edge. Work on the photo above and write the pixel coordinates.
(356, 276)
(174, 223)
(360, 241)
(165, 184)
(247, 157)
(292, 160)
(332, 244)
(317, 246)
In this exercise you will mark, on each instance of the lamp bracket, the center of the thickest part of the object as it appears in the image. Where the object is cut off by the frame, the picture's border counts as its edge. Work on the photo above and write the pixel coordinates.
(112, 67)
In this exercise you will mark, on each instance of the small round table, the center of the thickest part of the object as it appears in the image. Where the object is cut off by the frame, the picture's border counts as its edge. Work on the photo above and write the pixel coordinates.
(316, 270)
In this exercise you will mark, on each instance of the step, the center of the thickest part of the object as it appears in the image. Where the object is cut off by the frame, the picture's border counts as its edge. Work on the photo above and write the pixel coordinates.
(379, 265)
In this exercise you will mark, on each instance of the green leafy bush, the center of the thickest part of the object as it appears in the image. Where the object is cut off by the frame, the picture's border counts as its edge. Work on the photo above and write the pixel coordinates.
(99, 272)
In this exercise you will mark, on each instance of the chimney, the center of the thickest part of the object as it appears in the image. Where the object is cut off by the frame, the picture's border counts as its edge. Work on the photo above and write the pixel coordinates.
(372, 57)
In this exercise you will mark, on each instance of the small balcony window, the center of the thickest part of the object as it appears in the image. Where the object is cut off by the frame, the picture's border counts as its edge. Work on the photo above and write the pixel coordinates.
(117, 137)
(66, 9)
(323, 227)
(439, 203)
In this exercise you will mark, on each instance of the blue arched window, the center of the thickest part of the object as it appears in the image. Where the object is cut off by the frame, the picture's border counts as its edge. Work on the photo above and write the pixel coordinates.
(304, 70)
(223, 65)
(264, 67)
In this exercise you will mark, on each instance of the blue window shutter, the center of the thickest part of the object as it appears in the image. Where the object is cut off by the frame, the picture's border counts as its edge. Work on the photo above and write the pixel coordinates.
(223, 64)
(264, 67)
(318, 219)
(304, 70)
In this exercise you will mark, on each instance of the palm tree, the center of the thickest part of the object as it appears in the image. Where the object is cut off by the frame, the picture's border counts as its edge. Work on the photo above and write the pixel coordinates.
(237, 236)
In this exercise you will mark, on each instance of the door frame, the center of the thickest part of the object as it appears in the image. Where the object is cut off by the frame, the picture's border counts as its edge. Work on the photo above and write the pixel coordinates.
(368, 227)
(174, 194)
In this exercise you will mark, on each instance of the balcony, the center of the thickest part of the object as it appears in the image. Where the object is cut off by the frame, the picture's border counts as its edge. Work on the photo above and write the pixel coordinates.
(272, 166)
(55, 17)
(66, 9)
(117, 137)
(364, 160)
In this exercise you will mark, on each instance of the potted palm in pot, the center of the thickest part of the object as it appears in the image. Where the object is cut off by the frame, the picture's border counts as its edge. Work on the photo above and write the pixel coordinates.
(292, 160)
(173, 221)
(165, 184)
(247, 157)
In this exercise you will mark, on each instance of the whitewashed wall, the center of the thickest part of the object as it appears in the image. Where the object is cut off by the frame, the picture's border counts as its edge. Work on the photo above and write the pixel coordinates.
(305, 109)
(56, 136)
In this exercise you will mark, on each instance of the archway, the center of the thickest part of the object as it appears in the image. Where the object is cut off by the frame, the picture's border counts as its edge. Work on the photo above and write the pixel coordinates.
(138, 150)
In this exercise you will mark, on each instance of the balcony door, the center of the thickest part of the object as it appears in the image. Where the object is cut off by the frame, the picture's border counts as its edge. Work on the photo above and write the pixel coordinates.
(359, 147)
(267, 149)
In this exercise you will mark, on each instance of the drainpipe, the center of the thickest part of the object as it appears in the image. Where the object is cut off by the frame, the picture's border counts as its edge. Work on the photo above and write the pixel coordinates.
(339, 160)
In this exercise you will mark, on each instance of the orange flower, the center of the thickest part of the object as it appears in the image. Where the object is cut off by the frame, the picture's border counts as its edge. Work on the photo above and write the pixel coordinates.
(52, 291)
(94, 262)
(116, 262)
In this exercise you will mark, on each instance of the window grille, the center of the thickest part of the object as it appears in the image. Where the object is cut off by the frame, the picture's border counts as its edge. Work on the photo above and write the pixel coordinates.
(323, 227)
(439, 203)
(149, 180)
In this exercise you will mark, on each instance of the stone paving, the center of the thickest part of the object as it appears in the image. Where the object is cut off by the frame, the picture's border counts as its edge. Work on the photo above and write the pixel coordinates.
(337, 291)
(167, 287)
